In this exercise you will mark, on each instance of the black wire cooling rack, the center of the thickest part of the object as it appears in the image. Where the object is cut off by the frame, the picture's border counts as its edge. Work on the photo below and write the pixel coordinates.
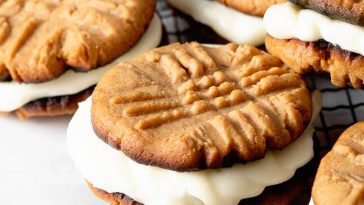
(342, 107)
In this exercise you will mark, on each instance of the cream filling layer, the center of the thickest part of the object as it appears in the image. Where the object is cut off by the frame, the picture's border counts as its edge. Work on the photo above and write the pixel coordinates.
(286, 21)
(111, 170)
(14, 95)
(231, 24)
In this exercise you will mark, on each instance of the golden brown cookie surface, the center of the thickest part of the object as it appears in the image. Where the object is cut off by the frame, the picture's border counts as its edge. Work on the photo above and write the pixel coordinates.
(340, 177)
(252, 7)
(39, 39)
(344, 67)
(351, 11)
(193, 107)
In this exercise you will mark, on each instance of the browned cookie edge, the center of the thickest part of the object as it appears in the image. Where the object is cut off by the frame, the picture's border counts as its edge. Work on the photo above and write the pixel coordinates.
(53, 106)
(113, 198)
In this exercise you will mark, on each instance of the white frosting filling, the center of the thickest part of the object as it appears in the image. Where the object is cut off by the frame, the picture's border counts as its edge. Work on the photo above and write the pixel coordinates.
(286, 21)
(112, 171)
(227, 22)
(15, 95)
(311, 202)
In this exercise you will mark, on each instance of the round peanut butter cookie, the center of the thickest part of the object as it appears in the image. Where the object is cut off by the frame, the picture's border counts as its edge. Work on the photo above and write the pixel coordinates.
(252, 7)
(40, 39)
(344, 67)
(189, 107)
(351, 11)
(340, 177)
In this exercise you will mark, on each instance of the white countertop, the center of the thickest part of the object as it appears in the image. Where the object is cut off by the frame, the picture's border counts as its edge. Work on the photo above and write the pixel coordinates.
(35, 167)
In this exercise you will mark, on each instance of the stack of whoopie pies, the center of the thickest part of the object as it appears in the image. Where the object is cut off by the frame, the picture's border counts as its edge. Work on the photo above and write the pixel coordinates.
(52, 58)
(189, 124)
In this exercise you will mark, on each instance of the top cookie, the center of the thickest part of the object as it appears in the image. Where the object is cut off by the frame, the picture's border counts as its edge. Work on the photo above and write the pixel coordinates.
(340, 177)
(351, 11)
(39, 39)
(188, 107)
(252, 7)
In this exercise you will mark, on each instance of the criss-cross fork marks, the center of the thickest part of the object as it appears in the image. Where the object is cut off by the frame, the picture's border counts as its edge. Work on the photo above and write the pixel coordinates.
(192, 99)
(230, 102)
(201, 86)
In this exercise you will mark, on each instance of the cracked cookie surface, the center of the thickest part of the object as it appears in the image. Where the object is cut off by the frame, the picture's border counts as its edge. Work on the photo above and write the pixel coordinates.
(40, 39)
(189, 107)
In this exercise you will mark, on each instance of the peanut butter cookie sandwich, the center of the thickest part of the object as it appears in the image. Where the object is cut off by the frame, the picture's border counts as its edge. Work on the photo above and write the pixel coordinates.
(325, 36)
(340, 177)
(238, 21)
(54, 52)
(191, 124)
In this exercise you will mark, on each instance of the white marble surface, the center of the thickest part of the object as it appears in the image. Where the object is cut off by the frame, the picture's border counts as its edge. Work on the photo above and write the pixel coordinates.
(35, 167)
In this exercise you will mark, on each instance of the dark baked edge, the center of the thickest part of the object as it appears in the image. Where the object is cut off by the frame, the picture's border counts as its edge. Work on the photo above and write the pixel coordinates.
(335, 10)
(53, 106)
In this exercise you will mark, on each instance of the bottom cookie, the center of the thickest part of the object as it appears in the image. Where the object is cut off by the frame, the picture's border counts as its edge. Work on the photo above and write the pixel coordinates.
(294, 191)
(53, 106)
(344, 67)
